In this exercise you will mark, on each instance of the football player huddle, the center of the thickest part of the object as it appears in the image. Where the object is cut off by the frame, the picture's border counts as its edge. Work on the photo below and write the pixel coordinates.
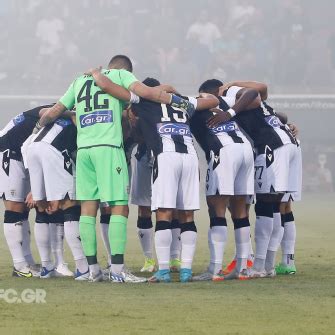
(70, 159)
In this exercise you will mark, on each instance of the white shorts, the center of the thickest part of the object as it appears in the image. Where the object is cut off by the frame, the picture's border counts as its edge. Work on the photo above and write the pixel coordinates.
(279, 170)
(52, 174)
(140, 185)
(295, 196)
(175, 181)
(232, 172)
(14, 178)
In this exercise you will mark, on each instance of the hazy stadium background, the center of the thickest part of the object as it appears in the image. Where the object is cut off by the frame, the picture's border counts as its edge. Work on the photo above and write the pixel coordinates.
(289, 44)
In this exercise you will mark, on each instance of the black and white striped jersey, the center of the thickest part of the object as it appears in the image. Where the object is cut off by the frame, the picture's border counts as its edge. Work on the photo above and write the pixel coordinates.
(62, 134)
(164, 128)
(17, 130)
(262, 125)
(213, 139)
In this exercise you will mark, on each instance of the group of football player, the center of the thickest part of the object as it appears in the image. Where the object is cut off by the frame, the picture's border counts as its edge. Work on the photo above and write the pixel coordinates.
(70, 159)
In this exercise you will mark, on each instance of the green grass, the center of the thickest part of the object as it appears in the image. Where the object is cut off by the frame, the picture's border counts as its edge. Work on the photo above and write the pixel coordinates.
(300, 304)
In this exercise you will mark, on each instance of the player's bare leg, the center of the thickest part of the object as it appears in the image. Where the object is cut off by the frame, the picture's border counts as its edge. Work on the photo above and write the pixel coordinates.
(71, 211)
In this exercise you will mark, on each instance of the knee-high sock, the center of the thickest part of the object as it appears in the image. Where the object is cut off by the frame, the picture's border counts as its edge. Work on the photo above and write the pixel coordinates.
(176, 239)
(72, 236)
(27, 240)
(276, 237)
(163, 239)
(188, 238)
(42, 238)
(117, 240)
(57, 241)
(89, 241)
(145, 234)
(289, 238)
(263, 231)
(242, 242)
(104, 226)
(217, 239)
(13, 231)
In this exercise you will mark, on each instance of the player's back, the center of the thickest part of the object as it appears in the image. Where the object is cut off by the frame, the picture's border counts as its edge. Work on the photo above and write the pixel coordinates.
(164, 128)
(98, 113)
(18, 129)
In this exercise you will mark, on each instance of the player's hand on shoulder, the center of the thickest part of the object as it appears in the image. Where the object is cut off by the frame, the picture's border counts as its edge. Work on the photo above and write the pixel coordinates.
(92, 71)
(219, 117)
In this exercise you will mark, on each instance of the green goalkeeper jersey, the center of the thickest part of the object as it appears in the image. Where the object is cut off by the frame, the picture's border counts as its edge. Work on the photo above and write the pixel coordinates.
(98, 114)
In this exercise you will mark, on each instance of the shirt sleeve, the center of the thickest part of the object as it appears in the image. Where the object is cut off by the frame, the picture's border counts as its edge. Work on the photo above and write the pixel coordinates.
(232, 91)
(230, 101)
(127, 78)
(68, 99)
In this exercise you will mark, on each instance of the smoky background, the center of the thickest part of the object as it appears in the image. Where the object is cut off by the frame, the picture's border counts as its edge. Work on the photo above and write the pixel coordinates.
(288, 44)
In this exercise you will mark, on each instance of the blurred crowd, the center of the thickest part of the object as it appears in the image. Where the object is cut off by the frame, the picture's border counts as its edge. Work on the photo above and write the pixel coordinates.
(289, 44)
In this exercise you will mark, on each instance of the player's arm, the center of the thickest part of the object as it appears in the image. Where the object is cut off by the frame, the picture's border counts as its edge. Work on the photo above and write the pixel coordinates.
(258, 86)
(155, 94)
(50, 116)
(65, 103)
(245, 99)
(206, 101)
(108, 86)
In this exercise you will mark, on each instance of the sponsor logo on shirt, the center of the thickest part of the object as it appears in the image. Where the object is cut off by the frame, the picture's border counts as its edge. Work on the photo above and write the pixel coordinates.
(91, 119)
(273, 121)
(174, 129)
(224, 128)
(18, 119)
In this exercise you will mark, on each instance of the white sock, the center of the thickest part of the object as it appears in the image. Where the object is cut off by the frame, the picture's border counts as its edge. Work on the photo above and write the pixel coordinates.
(72, 235)
(263, 231)
(218, 238)
(211, 251)
(176, 244)
(274, 243)
(42, 238)
(277, 233)
(188, 244)
(146, 239)
(242, 243)
(251, 251)
(288, 241)
(163, 239)
(14, 237)
(104, 235)
(57, 242)
(26, 242)
(94, 268)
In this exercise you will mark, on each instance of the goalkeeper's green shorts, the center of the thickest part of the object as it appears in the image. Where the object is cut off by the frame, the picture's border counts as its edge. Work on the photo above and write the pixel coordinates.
(102, 174)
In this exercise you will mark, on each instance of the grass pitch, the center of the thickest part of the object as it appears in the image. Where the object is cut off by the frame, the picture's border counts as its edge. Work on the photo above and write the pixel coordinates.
(300, 304)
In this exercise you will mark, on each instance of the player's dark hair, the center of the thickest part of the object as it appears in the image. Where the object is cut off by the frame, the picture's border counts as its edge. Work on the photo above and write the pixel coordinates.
(210, 86)
(121, 62)
(152, 82)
